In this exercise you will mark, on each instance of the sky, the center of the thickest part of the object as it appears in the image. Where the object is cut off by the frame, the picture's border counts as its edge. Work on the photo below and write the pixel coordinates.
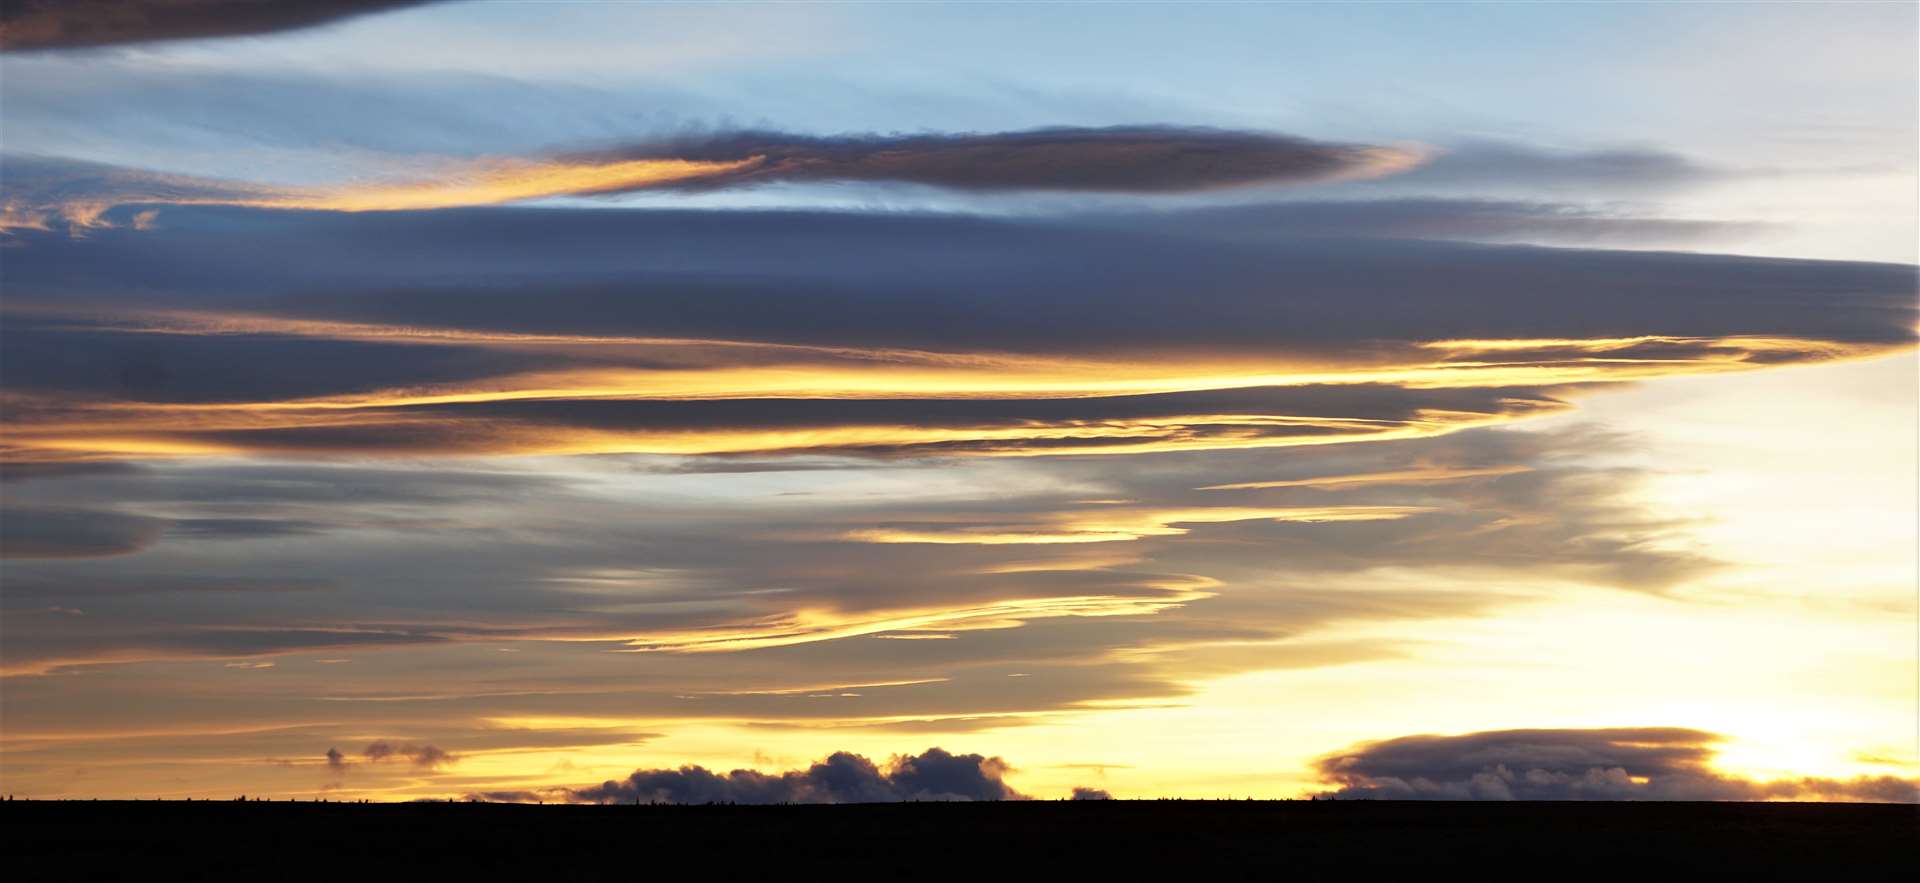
(832, 402)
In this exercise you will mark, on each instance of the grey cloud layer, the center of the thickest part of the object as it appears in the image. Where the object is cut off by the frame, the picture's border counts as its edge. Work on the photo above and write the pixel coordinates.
(420, 574)
(1647, 763)
(51, 532)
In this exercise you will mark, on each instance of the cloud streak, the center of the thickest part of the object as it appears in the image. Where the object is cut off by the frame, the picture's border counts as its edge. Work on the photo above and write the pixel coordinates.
(578, 424)
(1139, 160)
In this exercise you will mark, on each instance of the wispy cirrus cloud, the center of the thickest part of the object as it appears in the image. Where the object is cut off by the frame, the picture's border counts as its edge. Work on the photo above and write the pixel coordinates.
(574, 567)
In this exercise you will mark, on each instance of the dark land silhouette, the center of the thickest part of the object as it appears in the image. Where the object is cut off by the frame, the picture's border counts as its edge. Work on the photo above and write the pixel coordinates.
(207, 840)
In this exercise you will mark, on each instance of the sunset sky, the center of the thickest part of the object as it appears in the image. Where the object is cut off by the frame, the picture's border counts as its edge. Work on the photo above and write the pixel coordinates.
(578, 401)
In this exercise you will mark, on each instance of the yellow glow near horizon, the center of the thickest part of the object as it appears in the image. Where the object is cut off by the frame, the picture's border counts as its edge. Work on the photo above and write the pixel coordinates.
(1797, 690)
(1794, 655)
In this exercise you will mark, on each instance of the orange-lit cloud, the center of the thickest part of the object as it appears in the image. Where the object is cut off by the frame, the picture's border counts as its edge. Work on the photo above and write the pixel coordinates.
(613, 393)
(495, 182)
(485, 182)
(780, 369)
(170, 432)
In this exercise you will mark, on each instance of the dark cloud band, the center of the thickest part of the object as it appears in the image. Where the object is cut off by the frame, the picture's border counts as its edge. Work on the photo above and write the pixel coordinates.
(1114, 160)
(73, 24)
(734, 332)
(945, 282)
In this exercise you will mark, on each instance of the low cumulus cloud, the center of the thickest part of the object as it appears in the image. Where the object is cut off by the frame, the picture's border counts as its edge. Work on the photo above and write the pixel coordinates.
(71, 24)
(1635, 763)
(843, 777)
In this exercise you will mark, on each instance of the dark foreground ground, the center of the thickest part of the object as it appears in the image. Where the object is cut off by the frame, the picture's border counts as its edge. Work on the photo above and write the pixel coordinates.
(1274, 840)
